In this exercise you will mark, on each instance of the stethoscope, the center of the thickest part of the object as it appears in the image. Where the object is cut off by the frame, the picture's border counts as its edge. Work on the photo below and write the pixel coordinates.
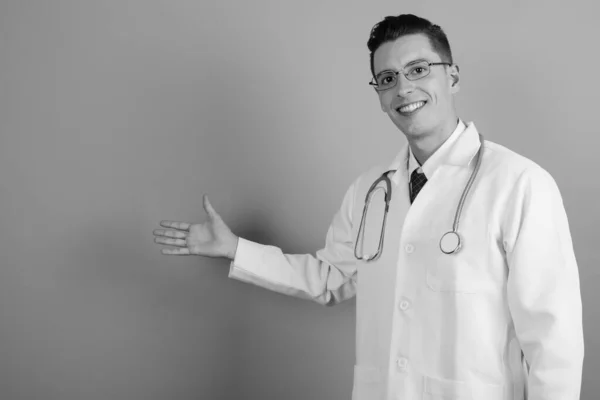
(450, 243)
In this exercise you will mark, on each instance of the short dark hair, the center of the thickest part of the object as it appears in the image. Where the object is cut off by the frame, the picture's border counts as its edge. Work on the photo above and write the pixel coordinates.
(391, 28)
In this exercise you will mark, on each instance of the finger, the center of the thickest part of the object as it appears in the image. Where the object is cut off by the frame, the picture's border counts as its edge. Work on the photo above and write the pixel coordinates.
(209, 208)
(176, 252)
(171, 242)
(167, 233)
(184, 226)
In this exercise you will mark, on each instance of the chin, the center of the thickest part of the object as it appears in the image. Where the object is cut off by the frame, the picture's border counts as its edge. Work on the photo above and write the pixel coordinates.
(414, 130)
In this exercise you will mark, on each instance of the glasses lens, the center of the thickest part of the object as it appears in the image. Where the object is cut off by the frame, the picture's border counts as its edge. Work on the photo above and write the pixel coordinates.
(386, 80)
(417, 71)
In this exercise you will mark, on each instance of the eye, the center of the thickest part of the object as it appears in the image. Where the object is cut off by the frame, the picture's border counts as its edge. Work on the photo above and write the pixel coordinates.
(387, 79)
(418, 71)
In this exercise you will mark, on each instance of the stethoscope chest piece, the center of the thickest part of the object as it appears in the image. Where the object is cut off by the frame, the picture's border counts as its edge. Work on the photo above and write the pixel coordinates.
(450, 242)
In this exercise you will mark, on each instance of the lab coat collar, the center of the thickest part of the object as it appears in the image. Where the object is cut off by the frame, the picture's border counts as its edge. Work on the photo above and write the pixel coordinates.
(438, 157)
(459, 154)
(465, 148)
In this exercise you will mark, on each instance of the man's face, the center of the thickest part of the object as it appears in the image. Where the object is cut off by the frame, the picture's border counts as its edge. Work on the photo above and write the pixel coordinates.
(435, 90)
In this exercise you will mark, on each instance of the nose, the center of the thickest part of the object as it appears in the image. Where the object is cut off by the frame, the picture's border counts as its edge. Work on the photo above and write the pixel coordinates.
(404, 86)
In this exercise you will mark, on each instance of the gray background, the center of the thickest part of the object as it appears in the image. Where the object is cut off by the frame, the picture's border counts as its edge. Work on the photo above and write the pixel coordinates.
(117, 114)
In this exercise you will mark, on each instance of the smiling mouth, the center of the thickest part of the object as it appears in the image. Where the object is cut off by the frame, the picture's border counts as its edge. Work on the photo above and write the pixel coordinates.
(410, 108)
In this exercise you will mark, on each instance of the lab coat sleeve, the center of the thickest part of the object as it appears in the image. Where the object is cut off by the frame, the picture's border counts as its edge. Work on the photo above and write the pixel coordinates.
(328, 278)
(543, 287)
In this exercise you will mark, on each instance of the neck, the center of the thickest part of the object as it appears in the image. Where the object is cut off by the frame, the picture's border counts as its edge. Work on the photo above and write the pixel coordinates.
(423, 146)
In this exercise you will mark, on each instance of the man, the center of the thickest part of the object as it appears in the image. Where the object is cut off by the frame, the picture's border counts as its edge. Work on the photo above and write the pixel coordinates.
(498, 319)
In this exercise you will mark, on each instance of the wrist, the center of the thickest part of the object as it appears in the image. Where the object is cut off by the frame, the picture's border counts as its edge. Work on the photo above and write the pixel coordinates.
(233, 249)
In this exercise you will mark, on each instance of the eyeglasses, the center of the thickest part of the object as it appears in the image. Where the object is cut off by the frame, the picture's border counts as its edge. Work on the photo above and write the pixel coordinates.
(388, 79)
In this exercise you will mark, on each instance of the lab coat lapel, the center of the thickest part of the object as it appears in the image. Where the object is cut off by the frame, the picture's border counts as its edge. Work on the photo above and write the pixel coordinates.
(454, 168)
(464, 150)
(399, 206)
(377, 279)
(401, 198)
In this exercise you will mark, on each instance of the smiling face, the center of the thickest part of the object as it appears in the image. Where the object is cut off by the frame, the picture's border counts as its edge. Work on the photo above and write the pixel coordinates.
(421, 108)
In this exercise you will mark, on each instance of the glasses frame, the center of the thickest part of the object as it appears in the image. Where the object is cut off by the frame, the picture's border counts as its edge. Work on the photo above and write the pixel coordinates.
(375, 85)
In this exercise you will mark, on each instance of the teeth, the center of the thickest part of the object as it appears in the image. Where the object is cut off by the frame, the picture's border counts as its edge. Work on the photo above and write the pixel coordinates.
(412, 107)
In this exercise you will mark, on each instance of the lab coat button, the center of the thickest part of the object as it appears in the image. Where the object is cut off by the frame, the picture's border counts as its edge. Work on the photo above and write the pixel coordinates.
(409, 248)
(402, 363)
(404, 305)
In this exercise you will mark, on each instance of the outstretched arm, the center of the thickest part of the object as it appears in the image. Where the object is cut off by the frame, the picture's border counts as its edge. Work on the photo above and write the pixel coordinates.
(327, 278)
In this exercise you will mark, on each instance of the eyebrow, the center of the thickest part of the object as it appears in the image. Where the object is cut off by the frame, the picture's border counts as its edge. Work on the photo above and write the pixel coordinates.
(418, 60)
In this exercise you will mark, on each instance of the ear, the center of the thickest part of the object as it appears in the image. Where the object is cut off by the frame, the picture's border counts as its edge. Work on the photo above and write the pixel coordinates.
(454, 78)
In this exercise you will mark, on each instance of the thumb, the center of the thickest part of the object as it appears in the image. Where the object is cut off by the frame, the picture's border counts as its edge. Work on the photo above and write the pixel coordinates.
(209, 208)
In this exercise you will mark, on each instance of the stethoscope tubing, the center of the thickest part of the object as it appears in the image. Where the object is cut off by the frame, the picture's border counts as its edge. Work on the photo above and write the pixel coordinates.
(467, 188)
(454, 232)
(388, 196)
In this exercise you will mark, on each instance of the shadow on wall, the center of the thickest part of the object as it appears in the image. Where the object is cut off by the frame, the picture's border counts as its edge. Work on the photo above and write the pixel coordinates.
(165, 322)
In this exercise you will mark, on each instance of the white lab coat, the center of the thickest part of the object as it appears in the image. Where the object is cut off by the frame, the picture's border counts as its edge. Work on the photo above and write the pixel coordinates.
(450, 327)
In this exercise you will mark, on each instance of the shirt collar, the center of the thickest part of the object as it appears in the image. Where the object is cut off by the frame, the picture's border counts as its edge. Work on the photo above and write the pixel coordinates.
(461, 153)
(438, 157)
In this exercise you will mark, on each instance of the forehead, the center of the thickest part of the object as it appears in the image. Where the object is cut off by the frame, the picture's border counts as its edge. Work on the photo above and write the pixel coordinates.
(396, 54)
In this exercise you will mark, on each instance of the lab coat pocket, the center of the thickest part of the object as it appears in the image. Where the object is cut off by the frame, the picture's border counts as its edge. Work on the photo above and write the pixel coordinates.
(445, 389)
(368, 383)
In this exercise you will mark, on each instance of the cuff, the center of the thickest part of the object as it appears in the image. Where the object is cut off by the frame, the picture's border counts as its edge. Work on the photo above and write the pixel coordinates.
(248, 254)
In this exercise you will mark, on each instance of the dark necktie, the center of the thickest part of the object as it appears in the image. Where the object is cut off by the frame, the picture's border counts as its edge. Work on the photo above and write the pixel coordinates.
(417, 181)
